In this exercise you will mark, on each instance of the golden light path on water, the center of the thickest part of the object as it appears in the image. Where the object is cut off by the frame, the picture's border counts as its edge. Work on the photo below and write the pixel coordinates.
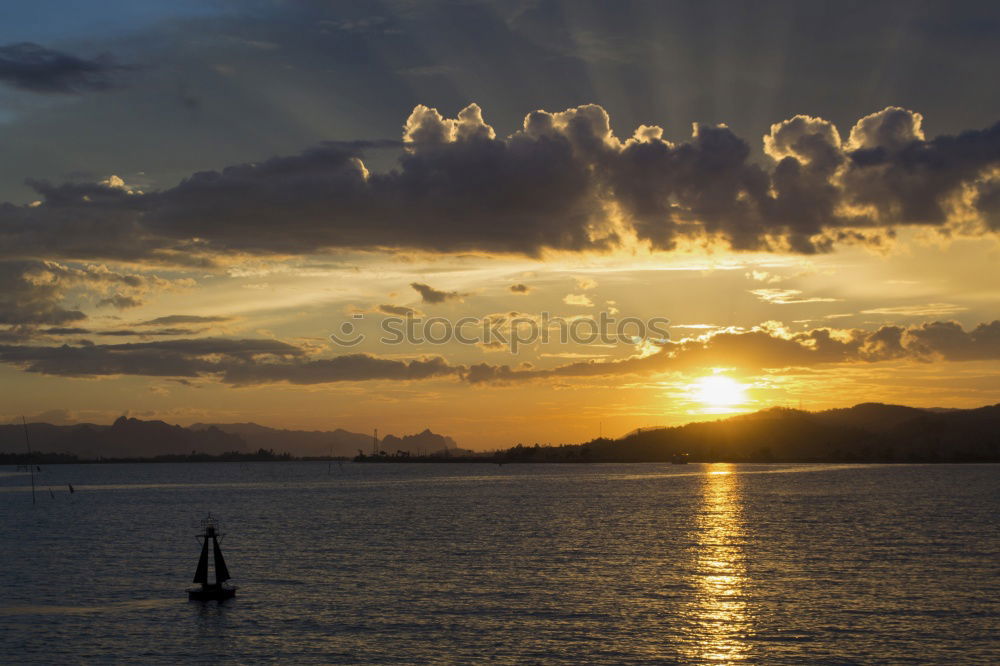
(720, 616)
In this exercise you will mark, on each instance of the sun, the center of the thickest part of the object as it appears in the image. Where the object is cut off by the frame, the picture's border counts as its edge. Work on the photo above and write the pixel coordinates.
(719, 391)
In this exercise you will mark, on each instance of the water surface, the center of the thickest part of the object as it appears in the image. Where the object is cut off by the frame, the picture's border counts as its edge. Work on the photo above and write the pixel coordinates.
(573, 564)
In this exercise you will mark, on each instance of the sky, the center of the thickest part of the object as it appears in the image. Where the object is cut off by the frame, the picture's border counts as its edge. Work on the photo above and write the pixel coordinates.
(533, 221)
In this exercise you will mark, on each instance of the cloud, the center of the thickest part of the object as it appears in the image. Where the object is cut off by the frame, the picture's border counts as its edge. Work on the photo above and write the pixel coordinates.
(170, 320)
(948, 341)
(585, 283)
(788, 296)
(768, 348)
(235, 362)
(150, 332)
(581, 300)
(563, 182)
(37, 69)
(262, 361)
(763, 276)
(398, 310)
(429, 294)
(892, 128)
(57, 330)
(120, 302)
(172, 358)
(519, 288)
(928, 310)
(33, 292)
(352, 367)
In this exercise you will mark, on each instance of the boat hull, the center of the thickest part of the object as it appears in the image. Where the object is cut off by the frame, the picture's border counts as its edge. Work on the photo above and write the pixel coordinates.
(211, 593)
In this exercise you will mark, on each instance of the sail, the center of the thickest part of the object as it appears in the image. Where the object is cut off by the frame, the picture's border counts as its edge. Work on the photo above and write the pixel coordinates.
(201, 573)
(221, 571)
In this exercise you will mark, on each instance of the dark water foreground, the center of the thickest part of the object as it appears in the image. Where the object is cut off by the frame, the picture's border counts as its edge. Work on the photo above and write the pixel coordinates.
(517, 564)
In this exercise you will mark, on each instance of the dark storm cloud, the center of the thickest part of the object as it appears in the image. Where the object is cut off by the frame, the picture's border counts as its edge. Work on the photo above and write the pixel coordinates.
(38, 69)
(564, 182)
(429, 294)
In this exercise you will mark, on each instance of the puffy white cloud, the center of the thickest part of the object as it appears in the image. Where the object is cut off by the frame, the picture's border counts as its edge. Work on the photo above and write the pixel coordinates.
(891, 128)
(581, 300)
(811, 141)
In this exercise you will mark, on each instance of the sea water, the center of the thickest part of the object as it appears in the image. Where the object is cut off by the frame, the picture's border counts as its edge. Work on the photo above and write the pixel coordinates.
(468, 563)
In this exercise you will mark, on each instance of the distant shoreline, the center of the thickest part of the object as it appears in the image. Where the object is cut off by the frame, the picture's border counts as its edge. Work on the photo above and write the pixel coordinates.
(864, 433)
(71, 459)
(38, 460)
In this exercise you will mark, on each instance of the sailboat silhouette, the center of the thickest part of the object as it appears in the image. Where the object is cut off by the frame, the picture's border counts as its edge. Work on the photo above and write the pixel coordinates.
(211, 591)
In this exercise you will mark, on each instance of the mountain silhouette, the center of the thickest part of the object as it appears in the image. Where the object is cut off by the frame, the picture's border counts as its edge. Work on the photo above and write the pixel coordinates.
(135, 438)
(305, 443)
(423, 442)
(125, 438)
(869, 432)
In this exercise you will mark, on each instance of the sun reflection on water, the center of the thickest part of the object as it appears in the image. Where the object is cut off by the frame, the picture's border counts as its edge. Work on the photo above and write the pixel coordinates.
(721, 619)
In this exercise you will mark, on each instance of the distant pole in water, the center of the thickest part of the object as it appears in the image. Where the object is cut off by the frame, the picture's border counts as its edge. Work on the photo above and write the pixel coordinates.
(375, 443)
(27, 443)
(71, 491)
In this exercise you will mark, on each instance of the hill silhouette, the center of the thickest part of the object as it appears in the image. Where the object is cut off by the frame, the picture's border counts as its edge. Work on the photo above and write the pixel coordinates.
(320, 443)
(125, 438)
(305, 443)
(869, 432)
(422, 442)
